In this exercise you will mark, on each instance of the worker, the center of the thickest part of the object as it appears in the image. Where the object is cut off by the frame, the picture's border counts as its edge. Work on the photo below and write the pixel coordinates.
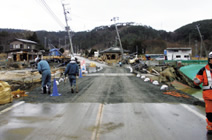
(78, 62)
(120, 63)
(72, 70)
(44, 69)
(205, 76)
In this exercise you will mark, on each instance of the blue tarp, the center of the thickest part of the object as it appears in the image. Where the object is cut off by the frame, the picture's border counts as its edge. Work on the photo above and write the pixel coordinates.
(54, 52)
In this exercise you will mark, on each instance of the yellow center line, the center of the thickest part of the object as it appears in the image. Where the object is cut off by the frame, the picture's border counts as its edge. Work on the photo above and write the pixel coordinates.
(95, 134)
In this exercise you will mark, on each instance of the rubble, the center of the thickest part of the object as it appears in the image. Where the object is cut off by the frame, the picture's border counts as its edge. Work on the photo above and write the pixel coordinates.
(19, 93)
(163, 73)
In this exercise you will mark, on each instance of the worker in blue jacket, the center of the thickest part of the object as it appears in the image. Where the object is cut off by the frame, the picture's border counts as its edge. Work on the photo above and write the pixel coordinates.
(44, 69)
(72, 70)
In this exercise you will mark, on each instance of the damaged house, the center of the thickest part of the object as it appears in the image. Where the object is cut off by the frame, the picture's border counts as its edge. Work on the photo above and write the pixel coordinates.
(23, 50)
(112, 55)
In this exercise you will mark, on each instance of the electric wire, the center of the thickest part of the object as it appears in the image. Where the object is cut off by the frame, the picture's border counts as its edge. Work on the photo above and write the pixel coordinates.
(48, 9)
(52, 14)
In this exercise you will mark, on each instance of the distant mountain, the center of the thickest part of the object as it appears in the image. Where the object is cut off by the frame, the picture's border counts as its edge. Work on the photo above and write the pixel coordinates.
(134, 37)
(189, 33)
(190, 30)
(12, 30)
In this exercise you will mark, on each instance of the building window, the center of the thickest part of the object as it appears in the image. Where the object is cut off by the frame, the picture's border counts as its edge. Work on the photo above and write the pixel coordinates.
(17, 46)
(113, 56)
(186, 56)
(108, 57)
(178, 56)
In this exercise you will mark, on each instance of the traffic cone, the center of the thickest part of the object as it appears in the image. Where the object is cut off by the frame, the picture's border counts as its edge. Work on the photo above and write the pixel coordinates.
(55, 92)
(80, 74)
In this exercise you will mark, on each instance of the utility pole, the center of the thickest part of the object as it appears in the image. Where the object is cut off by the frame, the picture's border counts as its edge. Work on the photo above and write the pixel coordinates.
(65, 41)
(59, 43)
(68, 31)
(201, 40)
(45, 42)
(121, 49)
(196, 50)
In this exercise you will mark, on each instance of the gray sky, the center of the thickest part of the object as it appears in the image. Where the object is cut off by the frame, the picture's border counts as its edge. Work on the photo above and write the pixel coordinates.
(87, 14)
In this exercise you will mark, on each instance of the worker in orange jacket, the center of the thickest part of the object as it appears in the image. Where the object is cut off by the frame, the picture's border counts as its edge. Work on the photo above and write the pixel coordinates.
(205, 76)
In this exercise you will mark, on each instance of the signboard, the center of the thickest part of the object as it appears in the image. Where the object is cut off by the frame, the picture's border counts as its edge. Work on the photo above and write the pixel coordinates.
(83, 66)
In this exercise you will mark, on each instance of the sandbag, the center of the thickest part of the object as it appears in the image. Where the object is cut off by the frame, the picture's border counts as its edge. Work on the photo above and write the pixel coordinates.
(5, 93)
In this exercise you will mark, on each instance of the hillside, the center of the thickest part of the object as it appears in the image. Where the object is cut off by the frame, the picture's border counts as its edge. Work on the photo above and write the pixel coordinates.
(189, 33)
(144, 38)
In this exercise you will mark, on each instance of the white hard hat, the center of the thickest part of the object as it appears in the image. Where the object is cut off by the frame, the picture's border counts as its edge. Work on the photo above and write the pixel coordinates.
(36, 59)
(72, 58)
(210, 55)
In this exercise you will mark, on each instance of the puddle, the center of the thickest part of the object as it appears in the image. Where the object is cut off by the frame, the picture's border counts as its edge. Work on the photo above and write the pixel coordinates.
(17, 133)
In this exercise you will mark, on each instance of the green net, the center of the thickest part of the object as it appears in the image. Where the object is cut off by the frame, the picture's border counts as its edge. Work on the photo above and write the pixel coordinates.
(191, 70)
(188, 62)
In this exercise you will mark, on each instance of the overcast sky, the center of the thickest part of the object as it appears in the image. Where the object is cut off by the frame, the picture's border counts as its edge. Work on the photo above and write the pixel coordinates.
(87, 14)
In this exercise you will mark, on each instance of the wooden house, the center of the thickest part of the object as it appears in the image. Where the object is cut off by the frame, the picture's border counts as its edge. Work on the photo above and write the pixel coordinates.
(23, 50)
(112, 55)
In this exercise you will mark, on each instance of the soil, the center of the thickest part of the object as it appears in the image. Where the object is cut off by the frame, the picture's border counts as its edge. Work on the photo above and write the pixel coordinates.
(110, 89)
(107, 90)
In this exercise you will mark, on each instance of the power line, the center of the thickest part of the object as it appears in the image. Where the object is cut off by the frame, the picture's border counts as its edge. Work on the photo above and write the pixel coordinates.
(45, 5)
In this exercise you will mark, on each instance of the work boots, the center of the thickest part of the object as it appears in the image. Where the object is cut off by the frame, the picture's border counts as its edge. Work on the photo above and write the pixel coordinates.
(72, 90)
(44, 90)
(209, 127)
(49, 89)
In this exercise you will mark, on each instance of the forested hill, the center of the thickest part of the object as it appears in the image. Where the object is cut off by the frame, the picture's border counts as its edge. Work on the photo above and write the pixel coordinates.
(144, 38)
(189, 33)
(205, 27)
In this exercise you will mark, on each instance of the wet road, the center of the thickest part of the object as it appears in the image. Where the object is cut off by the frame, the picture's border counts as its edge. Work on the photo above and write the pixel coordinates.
(94, 121)
(111, 105)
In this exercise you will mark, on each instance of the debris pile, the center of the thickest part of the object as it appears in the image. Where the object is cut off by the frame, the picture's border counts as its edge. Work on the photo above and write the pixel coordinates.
(176, 94)
(164, 73)
(19, 93)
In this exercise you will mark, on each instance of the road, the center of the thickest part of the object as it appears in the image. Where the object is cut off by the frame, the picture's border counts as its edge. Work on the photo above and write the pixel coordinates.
(112, 104)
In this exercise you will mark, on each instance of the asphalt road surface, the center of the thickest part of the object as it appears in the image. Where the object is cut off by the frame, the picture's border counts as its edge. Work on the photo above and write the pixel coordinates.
(112, 104)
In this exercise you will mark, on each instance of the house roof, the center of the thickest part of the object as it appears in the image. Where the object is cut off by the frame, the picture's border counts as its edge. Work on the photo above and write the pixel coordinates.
(178, 48)
(26, 41)
(114, 50)
(26, 50)
(54, 49)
